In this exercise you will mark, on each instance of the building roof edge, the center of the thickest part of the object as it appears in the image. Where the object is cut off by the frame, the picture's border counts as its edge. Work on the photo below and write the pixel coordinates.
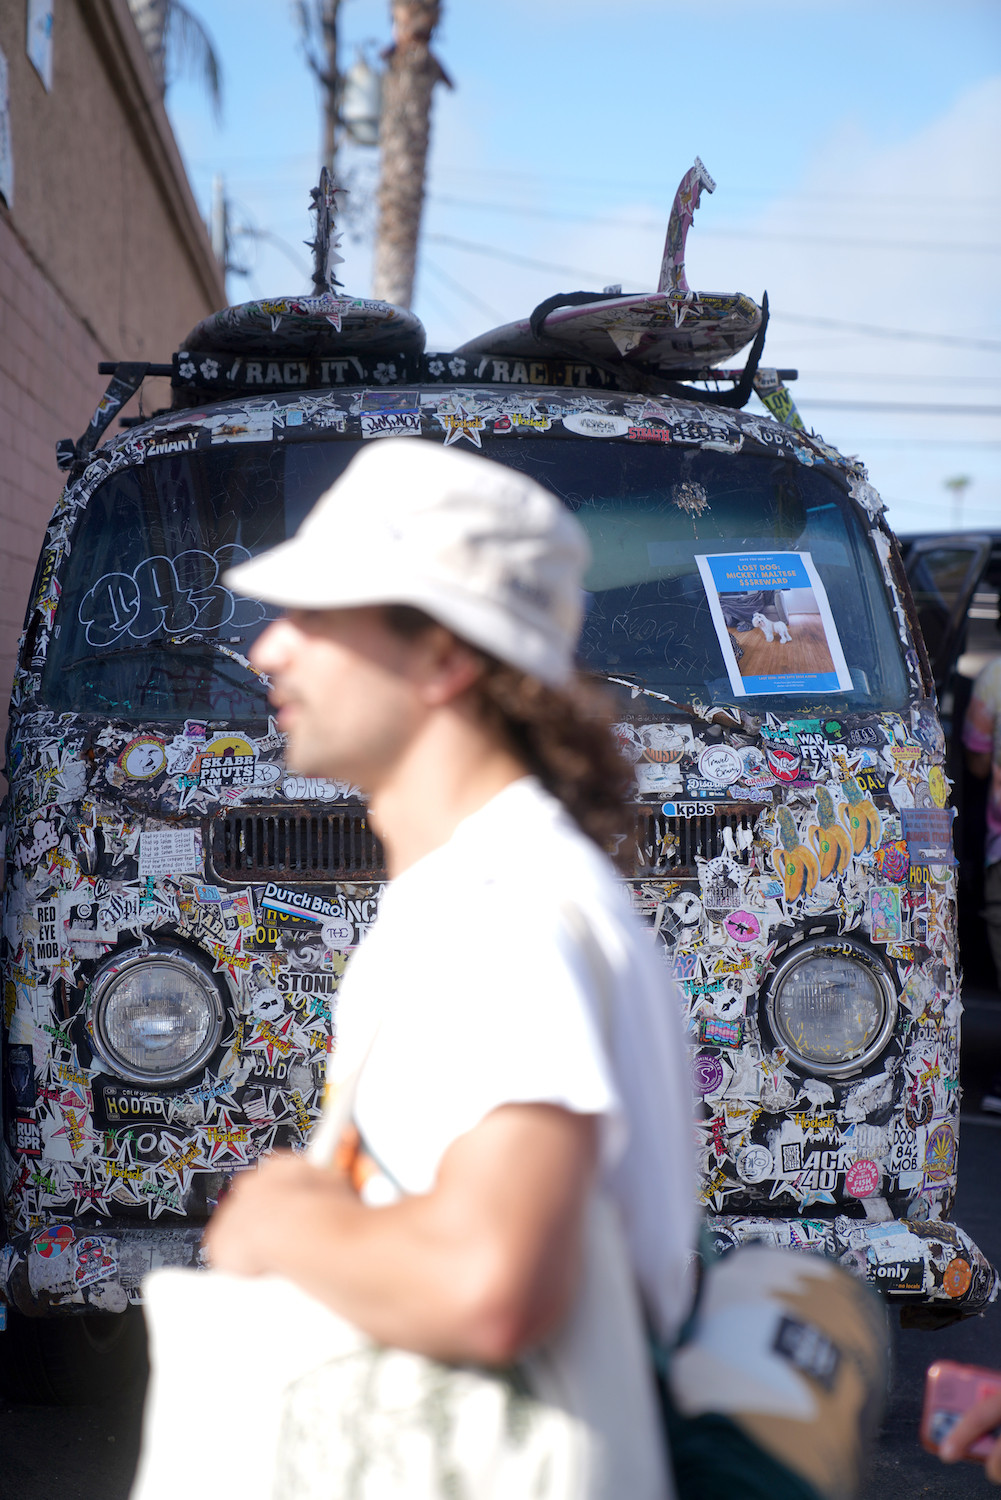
(124, 58)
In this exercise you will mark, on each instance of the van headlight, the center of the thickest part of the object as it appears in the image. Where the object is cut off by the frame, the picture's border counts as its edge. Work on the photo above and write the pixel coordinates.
(157, 1017)
(832, 1005)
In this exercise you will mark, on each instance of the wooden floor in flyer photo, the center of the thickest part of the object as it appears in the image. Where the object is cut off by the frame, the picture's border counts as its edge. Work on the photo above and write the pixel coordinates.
(806, 650)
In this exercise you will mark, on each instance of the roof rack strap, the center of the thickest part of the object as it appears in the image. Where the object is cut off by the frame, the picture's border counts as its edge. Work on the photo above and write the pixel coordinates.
(565, 299)
(123, 384)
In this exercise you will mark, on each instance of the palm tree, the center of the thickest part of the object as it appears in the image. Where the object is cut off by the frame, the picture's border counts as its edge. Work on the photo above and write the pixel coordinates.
(176, 41)
(412, 71)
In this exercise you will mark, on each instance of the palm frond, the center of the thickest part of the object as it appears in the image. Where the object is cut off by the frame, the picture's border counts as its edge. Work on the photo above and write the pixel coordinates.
(189, 49)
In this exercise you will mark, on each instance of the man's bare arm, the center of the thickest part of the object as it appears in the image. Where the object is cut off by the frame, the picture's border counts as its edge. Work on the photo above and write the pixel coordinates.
(481, 1268)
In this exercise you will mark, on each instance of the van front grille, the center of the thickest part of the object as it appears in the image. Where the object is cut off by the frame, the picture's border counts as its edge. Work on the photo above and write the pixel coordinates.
(338, 844)
(308, 845)
(670, 846)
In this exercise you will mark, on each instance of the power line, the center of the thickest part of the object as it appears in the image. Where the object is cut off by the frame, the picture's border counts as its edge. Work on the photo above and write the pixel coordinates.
(444, 310)
(859, 377)
(964, 443)
(718, 231)
(871, 330)
(922, 407)
(286, 161)
(464, 292)
(929, 200)
(958, 341)
(518, 260)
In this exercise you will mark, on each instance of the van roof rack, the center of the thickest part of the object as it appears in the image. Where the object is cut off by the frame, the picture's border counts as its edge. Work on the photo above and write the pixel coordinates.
(665, 342)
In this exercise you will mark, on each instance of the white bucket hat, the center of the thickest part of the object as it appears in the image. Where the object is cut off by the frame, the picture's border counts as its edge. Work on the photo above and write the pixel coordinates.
(478, 546)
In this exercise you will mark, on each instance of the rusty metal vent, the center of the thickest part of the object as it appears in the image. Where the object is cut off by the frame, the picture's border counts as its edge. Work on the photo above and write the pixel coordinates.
(303, 844)
(669, 846)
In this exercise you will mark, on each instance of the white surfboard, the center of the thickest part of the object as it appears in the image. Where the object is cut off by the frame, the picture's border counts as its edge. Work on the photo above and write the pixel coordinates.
(673, 327)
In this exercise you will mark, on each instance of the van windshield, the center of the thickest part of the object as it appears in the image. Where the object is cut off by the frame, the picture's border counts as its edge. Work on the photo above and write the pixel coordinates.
(717, 576)
(145, 627)
(725, 577)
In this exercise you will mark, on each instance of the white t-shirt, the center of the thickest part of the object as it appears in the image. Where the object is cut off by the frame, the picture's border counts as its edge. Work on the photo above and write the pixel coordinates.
(487, 998)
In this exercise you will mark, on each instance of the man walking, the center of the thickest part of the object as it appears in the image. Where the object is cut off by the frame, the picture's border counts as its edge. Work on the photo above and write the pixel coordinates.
(527, 1049)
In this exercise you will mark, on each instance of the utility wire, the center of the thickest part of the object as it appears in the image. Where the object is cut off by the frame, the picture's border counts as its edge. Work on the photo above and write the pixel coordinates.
(958, 341)
(509, 255)
(954, 443)
(925, 408)
(464, 292)
(444, 310)
(719, 231)
(289, 162)
(929, 200)
(882, 378)
(871, 330)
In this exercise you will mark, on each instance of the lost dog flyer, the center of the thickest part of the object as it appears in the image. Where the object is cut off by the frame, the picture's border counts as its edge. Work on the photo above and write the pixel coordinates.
(774, 623)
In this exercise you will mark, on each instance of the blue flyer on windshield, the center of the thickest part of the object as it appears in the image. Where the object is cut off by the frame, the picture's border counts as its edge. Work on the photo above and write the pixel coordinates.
(774, 623)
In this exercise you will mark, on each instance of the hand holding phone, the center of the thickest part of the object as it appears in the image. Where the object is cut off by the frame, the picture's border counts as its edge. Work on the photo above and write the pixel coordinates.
(962, 1414)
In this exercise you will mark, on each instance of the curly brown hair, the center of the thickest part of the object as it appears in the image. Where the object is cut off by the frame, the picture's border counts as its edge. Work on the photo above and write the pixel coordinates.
(562, 735)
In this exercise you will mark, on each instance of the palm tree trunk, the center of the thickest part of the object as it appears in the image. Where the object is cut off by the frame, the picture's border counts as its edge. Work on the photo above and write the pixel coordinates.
(411, 74)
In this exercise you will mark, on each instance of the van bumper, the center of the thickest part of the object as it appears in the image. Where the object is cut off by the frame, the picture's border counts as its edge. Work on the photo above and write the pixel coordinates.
(62, 1269)
(929, 1263)
(65, 1269)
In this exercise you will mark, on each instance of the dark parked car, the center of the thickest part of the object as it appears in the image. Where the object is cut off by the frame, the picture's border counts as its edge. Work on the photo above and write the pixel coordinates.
(956, 582)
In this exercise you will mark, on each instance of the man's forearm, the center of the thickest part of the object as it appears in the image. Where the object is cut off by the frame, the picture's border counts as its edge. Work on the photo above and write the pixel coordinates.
(478, 1269)
(397, 1272)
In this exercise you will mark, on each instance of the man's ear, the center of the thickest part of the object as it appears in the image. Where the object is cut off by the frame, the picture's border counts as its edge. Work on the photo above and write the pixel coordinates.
(451, 669)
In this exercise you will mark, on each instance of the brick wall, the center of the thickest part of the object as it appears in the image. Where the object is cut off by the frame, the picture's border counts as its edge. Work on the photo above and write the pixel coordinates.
(48, 376)
(102, 256)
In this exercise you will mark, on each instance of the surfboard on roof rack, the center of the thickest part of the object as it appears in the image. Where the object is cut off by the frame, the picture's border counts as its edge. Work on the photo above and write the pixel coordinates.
(673, 328)
(327, 324)
(307, 327)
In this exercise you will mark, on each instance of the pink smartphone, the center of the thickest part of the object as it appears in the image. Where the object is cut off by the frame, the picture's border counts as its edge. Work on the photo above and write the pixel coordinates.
(950, 1390)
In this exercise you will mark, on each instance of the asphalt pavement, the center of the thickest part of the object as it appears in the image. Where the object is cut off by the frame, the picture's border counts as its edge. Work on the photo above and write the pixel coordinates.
(89, 1453)
(900, 1468)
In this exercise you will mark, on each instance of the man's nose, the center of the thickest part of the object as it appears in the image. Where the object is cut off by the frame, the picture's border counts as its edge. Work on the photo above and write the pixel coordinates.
(273, 646)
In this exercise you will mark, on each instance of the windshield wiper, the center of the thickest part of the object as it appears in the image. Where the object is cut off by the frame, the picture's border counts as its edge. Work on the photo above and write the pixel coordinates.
(699, 711)
(174, 643)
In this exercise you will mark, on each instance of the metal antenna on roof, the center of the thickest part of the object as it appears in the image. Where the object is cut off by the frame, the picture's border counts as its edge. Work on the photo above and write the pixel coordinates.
(324, 246)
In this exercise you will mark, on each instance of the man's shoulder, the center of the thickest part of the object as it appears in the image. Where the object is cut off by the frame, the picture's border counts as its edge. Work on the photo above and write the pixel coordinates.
(519, 861)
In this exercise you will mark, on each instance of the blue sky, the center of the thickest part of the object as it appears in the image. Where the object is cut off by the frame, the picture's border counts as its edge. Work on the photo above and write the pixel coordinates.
(855, 148)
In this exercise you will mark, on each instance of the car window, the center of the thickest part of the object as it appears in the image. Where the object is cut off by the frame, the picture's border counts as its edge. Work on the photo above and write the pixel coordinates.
(983, 638)
(939, 578)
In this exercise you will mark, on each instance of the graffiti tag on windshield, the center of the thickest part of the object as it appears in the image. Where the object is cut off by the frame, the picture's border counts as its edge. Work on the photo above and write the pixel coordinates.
(167, 595)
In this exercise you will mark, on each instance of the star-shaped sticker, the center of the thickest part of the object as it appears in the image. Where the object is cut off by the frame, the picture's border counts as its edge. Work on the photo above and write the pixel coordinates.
(227, 1138)
(178, 1166)
(459, 423)
(273, 1040)
(812, 1195)
(232, 963)
(72, 1128)
(651, 411)
(160, 1198)
(90, 1185)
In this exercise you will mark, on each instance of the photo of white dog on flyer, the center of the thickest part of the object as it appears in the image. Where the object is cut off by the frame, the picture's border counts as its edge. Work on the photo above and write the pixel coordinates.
(770, 628)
